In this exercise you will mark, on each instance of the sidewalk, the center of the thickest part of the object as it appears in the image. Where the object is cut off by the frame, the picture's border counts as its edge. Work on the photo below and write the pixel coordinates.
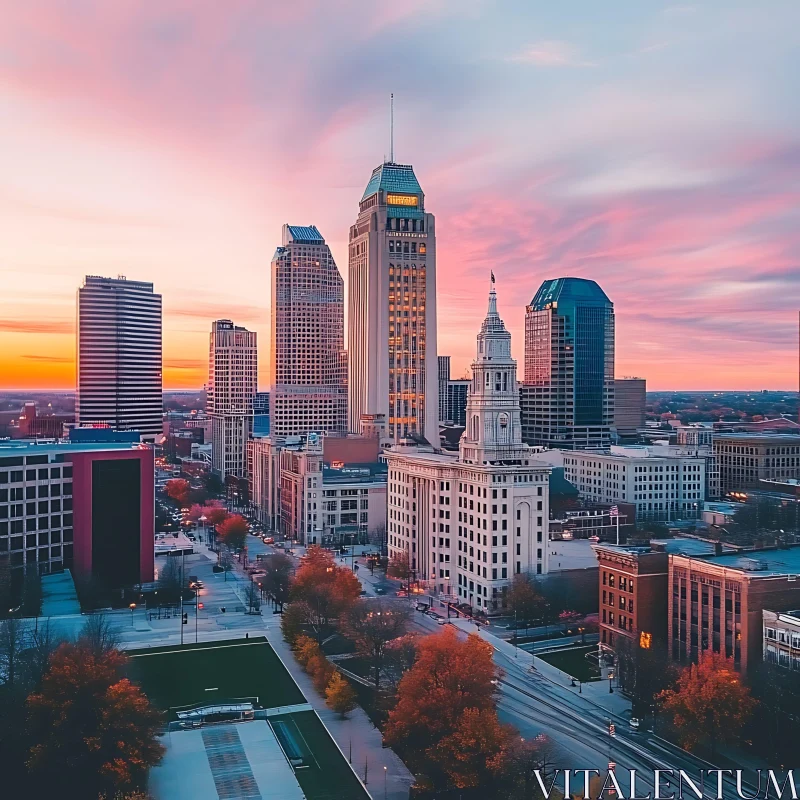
(595, 693)
(357, 737)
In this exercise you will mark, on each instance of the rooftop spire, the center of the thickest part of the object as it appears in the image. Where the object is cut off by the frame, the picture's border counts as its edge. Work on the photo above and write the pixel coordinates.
(492, 298)
(391, 128)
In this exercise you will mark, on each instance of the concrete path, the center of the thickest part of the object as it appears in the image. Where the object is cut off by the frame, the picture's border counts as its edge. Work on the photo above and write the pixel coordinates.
(357, 737)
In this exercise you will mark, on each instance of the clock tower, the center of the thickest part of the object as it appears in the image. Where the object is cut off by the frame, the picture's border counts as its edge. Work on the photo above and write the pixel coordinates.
(493, 432)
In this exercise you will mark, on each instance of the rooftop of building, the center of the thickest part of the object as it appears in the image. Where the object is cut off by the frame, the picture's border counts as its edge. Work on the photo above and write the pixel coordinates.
(764, 563)
(355, 473)
(302, 234)
(31, 447)
(688, 547)
(778, 438)
(392, 177)
(575, 290)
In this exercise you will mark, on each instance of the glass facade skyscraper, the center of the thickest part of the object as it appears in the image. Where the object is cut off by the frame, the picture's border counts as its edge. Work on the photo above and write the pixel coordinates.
(568, 392)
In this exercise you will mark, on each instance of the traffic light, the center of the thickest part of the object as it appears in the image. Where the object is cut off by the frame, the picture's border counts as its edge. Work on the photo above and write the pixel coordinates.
(200, 606)
(185, 620)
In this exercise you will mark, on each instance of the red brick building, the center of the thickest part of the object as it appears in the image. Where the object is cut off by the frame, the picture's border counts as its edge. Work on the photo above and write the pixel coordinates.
(633, 595)
(716, 602)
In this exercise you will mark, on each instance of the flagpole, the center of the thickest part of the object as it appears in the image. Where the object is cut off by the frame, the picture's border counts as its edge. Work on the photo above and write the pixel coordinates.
(617, 516)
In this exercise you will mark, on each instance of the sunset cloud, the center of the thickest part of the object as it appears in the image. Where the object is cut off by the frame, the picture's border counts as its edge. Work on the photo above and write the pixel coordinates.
(170, 141)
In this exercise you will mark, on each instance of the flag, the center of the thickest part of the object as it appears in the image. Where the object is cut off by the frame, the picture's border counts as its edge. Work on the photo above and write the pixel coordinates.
(614, 511)
(492, 276)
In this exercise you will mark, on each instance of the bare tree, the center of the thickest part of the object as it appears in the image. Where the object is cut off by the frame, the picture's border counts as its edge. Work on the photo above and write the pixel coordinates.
(98, 635)
(170, 577)
(43, 641)
(372, 624)
(12, 643)
(278, 578)
(225, 560)
(253, 597)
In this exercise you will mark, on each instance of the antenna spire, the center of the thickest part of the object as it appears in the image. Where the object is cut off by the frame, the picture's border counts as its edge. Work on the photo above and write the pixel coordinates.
(391, 128)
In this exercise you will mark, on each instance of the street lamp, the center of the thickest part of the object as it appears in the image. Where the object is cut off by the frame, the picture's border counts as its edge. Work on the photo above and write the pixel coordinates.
(385, 772)
(132, 606)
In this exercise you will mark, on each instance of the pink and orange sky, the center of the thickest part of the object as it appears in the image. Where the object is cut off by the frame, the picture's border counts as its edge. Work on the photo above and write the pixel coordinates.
(652, 147)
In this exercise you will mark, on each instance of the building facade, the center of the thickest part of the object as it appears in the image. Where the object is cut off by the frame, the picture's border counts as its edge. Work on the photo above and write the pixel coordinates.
(119, 356)
(84, 506)
(470, 522)
(630, 401)
(658, 482)
(782, 638)
(633, 596)
(232, 384)
(567, 397)
(307, 377)
(744, 459)
(716, 602)
(393, 365)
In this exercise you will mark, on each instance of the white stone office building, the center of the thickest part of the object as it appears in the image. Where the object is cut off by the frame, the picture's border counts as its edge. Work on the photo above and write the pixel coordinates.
(470, 522)
(393, 366)
(232, 384)
(661, 482)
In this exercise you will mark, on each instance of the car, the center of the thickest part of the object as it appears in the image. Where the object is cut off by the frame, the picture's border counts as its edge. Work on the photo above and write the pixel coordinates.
(380, 590)
(197, 585)
(423, 607)
(268, 540)
(634, 723)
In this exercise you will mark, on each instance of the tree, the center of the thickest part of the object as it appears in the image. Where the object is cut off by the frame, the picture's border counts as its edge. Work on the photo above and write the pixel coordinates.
(525, 602)
(253, 597)
(339, 695)
(326, 590)
(320, 670)
(448, 677)
(225, 560)
(178, 490)
(643, 672)
(305, 648)
(371, 625)
(278, 579)
(233, 532)
(93, 730)
(710, 703)
(171, 577)
(98, 636)
(215, 515)
(43, 641)
(293, 621)
(399, 567)
(12, 643)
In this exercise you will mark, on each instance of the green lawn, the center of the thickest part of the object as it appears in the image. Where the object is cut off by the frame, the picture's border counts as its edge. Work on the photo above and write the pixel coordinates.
(573, 662)
(328, 775)
(179, 676)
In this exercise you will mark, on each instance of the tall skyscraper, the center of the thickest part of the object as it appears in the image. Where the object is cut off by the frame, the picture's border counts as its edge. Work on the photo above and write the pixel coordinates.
(307, 367)
(568, 393)
(119, 356)
(392, 308)
(232, 384)
(444, 378)
(481, 517)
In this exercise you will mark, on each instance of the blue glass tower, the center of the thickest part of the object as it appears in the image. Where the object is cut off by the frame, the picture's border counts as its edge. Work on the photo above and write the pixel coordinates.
(568, 392)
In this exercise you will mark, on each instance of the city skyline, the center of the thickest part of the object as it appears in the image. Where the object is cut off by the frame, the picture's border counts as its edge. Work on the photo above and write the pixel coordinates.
(634, 147)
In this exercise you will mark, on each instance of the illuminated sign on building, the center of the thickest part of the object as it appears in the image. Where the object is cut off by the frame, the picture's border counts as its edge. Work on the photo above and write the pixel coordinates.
(402, 200)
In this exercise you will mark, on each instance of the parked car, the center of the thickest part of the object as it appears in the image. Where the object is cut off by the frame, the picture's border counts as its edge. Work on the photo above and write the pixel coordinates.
(423, 607)
(268, 540)
(634, 723)
(380, 590)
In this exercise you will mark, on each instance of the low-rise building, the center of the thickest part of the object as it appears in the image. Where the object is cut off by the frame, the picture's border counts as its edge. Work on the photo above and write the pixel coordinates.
(745, 459)
(782, 638)
(660, 483)
(87, 506)
(716, 602)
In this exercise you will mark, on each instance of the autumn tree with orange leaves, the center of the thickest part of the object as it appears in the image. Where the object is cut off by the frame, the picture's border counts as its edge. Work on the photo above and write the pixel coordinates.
(178, 490)
(233, 532)
(93, 731)
(445, 722)
(709, 703)
(323, 590)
